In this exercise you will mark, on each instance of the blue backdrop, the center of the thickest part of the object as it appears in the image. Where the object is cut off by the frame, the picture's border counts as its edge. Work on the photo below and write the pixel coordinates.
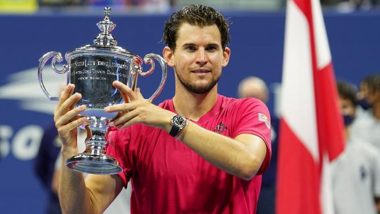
(257, 49)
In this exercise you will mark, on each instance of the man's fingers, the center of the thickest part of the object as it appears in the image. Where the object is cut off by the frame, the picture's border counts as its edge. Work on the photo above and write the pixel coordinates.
(126, 92)
(139, 94)
(88, 132)
(124, 107)
(66, 93)
(70, 115)
(115, 108)
(125, 119)
(72, 125)
(67, 104)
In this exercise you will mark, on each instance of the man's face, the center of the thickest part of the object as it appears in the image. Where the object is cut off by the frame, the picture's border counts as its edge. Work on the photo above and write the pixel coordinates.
(373, 96)
(198, 58)
(363, 91)
(347, 107)
(348, 111)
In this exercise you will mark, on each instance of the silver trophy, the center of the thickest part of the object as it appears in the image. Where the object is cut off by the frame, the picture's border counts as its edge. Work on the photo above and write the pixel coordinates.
(93, 68)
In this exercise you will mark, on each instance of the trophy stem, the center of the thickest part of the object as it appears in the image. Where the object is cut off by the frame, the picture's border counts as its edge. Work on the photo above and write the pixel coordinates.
(96, 144)
(94, 160)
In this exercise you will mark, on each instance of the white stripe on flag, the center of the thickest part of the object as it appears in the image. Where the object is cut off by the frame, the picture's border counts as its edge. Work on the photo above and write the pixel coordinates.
(298, 104)
(321, 42)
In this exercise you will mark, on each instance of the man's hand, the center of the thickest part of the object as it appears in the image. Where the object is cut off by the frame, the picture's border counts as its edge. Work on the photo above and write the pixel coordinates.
(67, 118)
(136, 109)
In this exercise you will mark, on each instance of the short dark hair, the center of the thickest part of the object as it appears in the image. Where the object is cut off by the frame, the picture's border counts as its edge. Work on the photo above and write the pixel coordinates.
(372, 81)
(347, 91)
(199, 15)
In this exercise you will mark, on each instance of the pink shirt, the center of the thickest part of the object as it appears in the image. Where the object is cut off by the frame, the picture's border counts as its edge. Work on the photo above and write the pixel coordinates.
(168, 177)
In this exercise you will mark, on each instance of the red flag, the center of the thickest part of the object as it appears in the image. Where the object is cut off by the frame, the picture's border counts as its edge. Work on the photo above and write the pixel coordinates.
(311, 128)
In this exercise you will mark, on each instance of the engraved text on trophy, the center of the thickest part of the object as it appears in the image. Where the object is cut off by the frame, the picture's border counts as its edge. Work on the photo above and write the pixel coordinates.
(93, 77)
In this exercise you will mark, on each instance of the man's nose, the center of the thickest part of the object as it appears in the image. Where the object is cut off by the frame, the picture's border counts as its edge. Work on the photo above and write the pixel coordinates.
(201, 56)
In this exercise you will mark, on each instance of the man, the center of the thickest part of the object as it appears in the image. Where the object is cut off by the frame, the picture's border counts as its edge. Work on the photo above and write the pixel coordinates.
(367, 125)
(253, 87)
(44, 167)
(199, 152)
(356, 173)
(363, 93)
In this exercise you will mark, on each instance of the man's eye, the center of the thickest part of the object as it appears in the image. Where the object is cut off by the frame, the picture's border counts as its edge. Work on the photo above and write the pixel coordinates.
(191, 48)
(211, 48)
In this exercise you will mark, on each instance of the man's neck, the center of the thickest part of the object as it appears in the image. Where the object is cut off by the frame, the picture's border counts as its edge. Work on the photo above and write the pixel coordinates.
(194, 106)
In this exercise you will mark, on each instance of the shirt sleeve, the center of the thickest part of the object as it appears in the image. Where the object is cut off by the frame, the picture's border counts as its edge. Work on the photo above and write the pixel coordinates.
(253, 117)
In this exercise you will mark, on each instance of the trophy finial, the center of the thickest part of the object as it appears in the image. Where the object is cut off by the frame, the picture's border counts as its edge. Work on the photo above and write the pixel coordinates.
(107, 12)
(106, 26)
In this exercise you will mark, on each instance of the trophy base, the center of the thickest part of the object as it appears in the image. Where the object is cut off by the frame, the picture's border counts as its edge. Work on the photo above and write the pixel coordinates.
(94, 164)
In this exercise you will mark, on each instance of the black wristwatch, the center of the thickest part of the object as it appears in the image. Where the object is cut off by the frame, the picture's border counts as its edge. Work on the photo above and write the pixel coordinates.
(178, 123)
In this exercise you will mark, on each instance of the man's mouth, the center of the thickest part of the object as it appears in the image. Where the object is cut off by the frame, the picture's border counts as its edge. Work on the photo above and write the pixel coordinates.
(200, 71)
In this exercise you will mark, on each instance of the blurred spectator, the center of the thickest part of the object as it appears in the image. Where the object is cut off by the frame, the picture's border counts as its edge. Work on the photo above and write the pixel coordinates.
(253, 86)
(367, 126)
(154, 5)
(108, 2)
(62, 2)
(356, 172)
(363, 93)
(350, 5)
(44, 166)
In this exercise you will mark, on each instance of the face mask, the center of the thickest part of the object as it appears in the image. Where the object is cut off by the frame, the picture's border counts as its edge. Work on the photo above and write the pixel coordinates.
(348, 119)
(364, 104)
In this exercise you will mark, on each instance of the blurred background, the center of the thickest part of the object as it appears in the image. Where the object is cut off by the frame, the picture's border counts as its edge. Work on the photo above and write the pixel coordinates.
(30, 28)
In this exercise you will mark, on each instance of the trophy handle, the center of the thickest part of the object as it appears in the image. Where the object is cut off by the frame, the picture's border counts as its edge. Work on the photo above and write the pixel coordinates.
(56, 57)
(148, 59)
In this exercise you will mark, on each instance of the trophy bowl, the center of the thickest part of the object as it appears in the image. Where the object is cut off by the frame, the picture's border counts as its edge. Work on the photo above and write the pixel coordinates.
(92, 69)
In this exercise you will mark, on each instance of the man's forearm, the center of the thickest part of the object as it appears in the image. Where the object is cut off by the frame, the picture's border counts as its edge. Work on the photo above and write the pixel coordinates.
(240, 157)
(73, 195)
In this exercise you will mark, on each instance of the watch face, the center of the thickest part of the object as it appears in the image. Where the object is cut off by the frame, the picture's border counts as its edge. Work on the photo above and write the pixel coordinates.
(178, 123)
(178, 120)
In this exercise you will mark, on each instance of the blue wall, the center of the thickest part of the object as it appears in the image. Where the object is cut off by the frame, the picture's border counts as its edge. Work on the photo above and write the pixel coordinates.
(257, 49)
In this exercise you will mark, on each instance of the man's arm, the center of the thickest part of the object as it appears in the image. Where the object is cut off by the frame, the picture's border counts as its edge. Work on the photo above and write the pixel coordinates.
(76, 194)
(242, 156)
(90, 194)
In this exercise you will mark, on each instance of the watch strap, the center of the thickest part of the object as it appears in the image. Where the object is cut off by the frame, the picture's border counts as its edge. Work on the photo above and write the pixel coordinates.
(174, 131)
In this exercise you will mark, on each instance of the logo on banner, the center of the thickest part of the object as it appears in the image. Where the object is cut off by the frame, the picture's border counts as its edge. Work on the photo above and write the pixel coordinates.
(24, 88)
(21, 136)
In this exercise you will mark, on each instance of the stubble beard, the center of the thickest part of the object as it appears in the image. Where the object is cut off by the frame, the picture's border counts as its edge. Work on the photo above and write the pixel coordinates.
(198, 89)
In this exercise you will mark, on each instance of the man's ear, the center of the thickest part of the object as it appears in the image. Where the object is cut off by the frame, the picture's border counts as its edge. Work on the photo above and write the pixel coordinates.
(168, 55)
(226, 56)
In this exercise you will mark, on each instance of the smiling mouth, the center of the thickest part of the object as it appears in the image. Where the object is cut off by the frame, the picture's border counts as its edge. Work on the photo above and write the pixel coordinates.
(201, 71)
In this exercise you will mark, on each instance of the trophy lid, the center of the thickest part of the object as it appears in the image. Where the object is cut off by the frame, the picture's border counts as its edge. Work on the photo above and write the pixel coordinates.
(104, 41)
(105, 38)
